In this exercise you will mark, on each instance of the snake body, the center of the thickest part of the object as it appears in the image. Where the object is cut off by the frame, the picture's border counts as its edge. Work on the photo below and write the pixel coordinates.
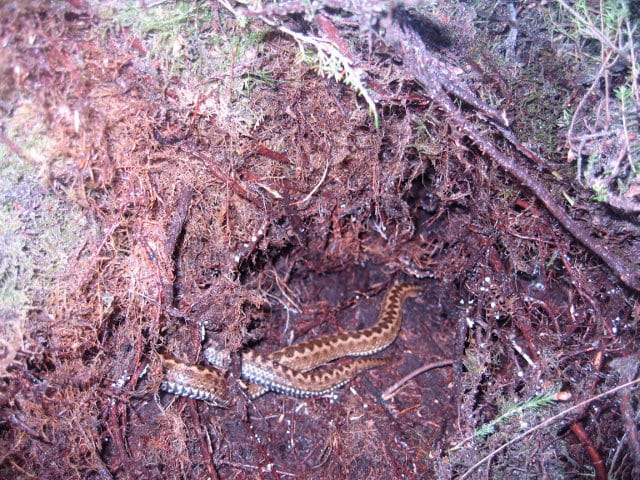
(298, 370)
(194, 381)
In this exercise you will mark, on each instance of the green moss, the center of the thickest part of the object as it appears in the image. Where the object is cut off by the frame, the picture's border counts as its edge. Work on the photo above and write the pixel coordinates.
(37, 234)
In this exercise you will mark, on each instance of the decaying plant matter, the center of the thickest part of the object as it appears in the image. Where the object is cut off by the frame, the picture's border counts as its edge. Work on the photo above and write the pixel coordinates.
(257, 174)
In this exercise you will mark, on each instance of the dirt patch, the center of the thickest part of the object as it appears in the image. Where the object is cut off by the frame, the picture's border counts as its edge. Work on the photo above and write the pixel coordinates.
(240, 195)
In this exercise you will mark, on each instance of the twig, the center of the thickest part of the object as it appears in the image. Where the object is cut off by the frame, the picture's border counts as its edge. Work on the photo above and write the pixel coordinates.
(629, 421)
(596, 459)
(423, 66)
(244, 466)
(15, 420)
(180, 214)
(263, 452)
(116, 435)
(228, 180)
(388, 393)
(315, 189)
(12, 145)
(624, 270)
(592, 31)
(333, 62)
(583, 101)
(546, 423)
(627, 367)
(91, 270)
(203, 440)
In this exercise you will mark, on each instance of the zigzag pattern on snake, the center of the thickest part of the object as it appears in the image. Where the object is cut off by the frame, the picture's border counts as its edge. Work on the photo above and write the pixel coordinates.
(296, 370)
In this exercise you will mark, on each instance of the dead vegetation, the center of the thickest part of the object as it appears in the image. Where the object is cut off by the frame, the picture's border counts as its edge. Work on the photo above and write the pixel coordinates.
(234, 191)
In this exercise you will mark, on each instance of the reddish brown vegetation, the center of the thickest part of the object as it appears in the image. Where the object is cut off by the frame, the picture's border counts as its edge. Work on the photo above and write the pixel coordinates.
(285, 230)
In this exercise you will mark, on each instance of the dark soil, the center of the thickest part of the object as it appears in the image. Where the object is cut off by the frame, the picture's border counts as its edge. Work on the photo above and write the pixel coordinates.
(262, 210)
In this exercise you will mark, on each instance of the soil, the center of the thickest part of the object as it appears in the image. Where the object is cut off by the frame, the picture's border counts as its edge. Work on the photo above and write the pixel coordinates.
(231, 191)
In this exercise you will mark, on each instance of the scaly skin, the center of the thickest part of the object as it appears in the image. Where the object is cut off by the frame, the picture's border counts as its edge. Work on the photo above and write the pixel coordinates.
(194, 381)
(295, 370)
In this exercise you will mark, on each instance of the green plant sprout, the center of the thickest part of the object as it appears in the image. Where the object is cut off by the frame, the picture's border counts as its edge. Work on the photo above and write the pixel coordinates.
(330, 62)
(534, 404)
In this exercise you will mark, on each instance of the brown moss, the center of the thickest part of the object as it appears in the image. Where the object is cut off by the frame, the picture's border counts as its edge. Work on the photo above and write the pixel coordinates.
(257, 203)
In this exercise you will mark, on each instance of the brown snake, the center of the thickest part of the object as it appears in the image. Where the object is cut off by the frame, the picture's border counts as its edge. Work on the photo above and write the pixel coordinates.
(296, 370)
